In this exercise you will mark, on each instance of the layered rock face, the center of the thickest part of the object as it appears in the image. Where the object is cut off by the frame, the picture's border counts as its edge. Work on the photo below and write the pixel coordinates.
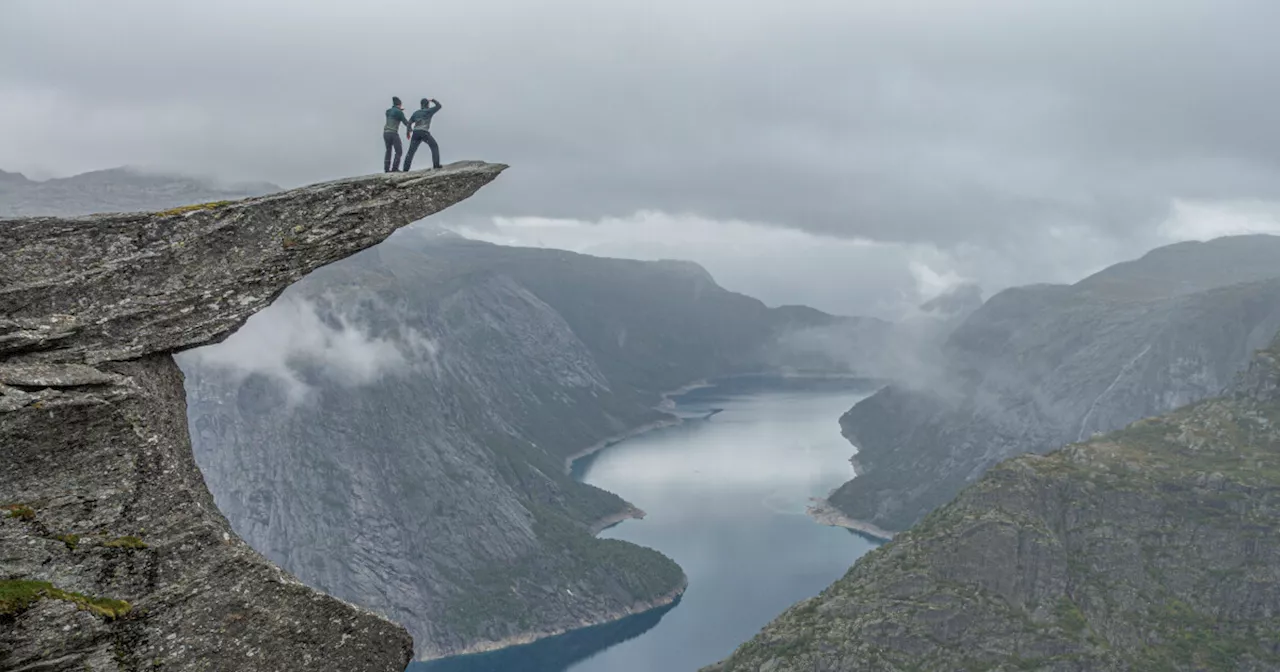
(112, 553)
(1153, 548)
(421, 429)
(1037, 367)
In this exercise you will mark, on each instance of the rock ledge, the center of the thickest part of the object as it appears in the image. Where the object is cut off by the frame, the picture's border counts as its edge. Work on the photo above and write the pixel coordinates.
(100, 494)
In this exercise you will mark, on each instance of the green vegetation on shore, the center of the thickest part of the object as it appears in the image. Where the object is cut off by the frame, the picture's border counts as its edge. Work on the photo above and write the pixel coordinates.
(507, 593)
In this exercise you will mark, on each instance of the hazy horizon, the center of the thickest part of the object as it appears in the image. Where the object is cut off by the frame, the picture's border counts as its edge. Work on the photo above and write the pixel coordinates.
(855, 157)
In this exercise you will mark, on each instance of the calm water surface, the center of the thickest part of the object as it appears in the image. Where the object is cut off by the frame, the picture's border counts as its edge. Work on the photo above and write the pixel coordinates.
(725, 498)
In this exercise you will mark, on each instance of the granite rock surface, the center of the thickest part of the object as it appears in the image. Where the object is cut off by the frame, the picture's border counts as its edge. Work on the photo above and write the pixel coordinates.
(113, 555)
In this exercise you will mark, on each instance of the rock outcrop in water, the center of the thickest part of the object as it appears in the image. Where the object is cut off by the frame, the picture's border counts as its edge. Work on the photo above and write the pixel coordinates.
(453, 512)
(112, 553)
(1041, 366)
(1153, 548)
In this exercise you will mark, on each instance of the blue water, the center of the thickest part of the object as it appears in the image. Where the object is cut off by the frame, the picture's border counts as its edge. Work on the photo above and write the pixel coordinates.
(725, 498)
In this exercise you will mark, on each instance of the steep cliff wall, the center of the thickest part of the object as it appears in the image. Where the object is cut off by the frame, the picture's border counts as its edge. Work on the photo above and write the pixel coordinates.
(1038, 367)
(112, 553)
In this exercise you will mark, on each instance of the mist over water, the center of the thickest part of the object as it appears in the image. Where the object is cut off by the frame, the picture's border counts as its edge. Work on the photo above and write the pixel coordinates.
(725, 498)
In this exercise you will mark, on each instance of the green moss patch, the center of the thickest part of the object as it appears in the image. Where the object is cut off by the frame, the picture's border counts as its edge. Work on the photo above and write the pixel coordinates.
(17, 596)
(1070, 617)
(71, 540)
(132, 543)
(184, 209)
(19, 511)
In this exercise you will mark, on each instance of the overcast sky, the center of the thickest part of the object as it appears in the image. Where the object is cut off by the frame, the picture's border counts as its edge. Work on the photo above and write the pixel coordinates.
(1005, 141)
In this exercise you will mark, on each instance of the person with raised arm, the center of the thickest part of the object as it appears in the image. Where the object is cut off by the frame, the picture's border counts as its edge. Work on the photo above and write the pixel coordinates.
(420, 123)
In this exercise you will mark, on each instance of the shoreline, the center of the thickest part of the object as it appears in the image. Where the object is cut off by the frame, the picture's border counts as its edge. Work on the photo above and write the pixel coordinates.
(662, 406)
(630, 512)
(619, 438)
(522, 639)
(825, 513)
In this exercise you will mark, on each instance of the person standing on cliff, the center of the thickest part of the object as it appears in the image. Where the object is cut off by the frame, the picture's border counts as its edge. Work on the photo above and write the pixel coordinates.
(420, 122)
(391, 136)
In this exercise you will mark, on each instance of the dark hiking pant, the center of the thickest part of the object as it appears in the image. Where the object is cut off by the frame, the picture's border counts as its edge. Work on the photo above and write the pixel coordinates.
(392, 141)
(418, 138)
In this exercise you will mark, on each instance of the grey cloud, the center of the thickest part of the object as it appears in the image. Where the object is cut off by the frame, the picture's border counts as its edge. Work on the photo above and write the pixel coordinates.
(983, 123)
(295, 339)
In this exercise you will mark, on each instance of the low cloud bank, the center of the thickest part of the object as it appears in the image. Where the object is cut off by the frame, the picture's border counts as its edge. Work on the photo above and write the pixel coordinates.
(856, 276)
(297, 339)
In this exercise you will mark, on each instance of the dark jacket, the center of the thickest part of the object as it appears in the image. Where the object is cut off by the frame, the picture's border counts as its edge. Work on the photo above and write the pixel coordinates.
(395, 117)
(421, 119)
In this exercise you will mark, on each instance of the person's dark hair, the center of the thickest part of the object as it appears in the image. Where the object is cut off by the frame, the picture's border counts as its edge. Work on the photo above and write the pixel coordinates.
(395, 100)
(426, 101)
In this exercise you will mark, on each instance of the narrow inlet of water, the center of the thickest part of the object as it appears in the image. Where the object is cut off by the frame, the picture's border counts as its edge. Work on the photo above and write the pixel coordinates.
(725, 495)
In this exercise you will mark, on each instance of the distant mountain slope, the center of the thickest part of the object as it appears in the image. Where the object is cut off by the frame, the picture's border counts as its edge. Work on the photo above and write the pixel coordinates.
(1153, 548)
(435, 490)
(1037, 367)
(114, 190)
(1187, 268)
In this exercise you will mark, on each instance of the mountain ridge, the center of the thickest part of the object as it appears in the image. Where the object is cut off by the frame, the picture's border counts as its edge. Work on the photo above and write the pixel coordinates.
(1040, 366)
(121, 189)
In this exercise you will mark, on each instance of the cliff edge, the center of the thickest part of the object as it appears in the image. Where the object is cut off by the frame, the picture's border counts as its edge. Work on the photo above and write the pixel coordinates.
(113, 555)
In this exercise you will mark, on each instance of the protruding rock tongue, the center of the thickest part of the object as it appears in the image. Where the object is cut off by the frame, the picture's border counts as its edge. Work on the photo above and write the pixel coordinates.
(102, 501)
(115, 287)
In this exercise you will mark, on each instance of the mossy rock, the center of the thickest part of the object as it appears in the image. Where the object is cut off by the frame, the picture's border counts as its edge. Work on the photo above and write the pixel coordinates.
(184, 209)
(16, 596)
(19, 511)
(131, 543)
